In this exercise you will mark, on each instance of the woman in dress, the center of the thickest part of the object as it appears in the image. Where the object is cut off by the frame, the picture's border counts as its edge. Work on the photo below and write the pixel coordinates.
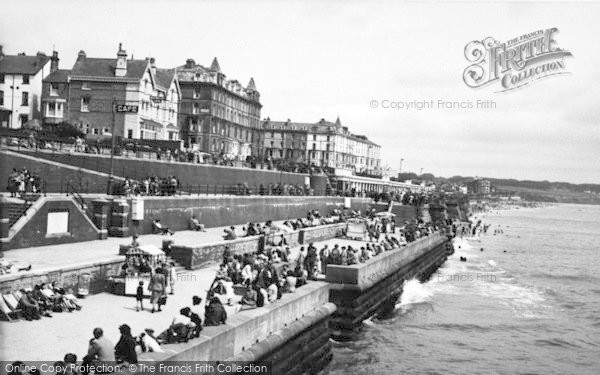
(157, 288)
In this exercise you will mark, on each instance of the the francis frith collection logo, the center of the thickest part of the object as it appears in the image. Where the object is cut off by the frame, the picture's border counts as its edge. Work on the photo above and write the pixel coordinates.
(515, 63)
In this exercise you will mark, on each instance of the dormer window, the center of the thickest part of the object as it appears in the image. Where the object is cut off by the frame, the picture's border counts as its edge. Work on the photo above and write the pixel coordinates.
(25, 79)
(53, 89)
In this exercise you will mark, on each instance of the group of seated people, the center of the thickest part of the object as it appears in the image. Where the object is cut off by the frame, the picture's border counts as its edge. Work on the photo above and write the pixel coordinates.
(7, 267)
(41, 300)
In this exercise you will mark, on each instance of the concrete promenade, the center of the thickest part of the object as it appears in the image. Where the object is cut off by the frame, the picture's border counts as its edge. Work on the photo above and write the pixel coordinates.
(49, 339)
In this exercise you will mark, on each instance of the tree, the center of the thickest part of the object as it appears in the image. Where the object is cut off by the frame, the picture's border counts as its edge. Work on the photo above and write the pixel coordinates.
(63, 130)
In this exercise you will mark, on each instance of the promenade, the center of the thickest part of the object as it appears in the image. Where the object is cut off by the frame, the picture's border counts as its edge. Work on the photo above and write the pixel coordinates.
(48, 339)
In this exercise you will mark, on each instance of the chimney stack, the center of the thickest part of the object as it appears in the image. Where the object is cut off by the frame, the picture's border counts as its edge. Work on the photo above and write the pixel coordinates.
(81, 55)
(121, 69)
(190, 63)
(54, 62)
(153, 65)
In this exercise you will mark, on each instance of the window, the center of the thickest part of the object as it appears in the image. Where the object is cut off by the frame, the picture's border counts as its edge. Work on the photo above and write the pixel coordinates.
(95, 131)
(53, 89)
(1, 97)
(105, 130)
(1, 77)
(25, 98)
(196, 93)
(196, 108)
(85, 104)
(25, 79)
(314, 137)
(85, 86)
(130, 133)
(51, 112)
(24, 119)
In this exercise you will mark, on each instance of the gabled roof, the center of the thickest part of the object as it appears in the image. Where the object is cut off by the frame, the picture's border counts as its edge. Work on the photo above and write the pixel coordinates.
(215, 65)
(251, 85)
(19, 64)
(105, 68)
(164, 77)
(59, 76)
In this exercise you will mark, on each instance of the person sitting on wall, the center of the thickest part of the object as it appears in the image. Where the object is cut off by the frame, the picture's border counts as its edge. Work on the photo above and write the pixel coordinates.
(195, 225)
(215, 313)
(229, 234)
(159, 228)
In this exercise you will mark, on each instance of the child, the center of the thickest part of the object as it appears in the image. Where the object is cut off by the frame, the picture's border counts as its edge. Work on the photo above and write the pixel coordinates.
(139, 297)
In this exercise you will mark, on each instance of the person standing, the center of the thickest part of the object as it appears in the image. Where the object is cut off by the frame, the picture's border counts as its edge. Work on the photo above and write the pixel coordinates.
(139, 297)
(157, 288)
(172, 276)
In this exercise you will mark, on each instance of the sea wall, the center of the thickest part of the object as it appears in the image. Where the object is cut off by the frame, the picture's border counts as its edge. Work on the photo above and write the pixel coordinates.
(361, 290)
(291, 333)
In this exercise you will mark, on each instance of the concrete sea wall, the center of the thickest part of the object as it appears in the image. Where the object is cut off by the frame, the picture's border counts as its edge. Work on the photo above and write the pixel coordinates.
(359, 291)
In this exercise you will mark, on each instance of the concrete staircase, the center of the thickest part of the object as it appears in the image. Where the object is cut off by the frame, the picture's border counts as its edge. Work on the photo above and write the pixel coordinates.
(16, 210)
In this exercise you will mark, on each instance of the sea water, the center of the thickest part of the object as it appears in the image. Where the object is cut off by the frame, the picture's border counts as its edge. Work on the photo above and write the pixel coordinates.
(529, 303)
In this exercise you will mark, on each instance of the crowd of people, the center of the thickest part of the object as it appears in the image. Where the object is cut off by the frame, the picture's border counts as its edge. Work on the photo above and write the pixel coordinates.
(42, 300)
(23, 181)
(149, 186)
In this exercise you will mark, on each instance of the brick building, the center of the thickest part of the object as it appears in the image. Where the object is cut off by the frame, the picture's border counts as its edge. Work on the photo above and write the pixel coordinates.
(21, 86)
(85, 95)
(217, 115)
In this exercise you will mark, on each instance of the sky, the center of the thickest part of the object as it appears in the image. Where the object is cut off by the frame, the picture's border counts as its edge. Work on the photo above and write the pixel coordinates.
(314, 60)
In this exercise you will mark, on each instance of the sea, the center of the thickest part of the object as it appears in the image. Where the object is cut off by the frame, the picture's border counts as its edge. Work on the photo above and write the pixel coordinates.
(526, 301)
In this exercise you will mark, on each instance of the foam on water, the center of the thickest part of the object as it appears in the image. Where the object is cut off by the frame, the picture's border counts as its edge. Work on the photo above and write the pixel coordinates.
(414, 292)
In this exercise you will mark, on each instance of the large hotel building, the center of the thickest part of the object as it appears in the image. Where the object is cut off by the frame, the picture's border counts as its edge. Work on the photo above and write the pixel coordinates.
(217, 115)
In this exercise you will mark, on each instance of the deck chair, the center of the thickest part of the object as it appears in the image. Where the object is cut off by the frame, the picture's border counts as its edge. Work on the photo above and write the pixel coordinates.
(6, 312)
(13, 304)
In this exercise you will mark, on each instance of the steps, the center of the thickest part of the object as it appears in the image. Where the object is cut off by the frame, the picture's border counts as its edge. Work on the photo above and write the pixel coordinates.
(16, 210)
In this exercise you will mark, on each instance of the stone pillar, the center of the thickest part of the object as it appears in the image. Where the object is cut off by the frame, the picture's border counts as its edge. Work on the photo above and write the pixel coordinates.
(119, 218)
(100, 209)
(4, 224)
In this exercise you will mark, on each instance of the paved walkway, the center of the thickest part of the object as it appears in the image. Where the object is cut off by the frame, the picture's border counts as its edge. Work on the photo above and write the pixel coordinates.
(44, 258)
(49, 339)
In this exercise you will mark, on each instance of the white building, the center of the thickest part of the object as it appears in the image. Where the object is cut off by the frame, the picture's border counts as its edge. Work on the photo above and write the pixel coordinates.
(21, 86)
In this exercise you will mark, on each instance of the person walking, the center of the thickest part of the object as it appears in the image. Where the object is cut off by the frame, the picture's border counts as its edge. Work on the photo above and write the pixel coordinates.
(157, 288)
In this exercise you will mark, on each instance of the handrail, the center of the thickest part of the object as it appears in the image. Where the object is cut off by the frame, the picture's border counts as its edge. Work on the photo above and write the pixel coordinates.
(71, 189)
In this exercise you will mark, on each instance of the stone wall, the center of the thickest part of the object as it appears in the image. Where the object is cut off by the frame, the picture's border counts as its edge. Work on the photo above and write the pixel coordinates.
(321, 233)
(31, 229)
(175, 212)
(187, 173)
(69, 277)
(249, 327)
(193, 257)
(359, 291)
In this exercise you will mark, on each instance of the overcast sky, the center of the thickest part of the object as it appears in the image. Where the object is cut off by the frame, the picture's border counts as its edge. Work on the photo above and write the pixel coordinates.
(314, 60)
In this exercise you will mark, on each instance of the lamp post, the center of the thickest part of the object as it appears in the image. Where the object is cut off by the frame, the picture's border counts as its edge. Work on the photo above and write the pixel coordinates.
(400, 170)
(112, 147)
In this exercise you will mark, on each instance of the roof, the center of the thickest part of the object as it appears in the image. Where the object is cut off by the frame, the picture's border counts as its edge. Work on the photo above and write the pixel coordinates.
(322, 126)
(164, 77)
(58, 76)
(105, 68)
(20, 64)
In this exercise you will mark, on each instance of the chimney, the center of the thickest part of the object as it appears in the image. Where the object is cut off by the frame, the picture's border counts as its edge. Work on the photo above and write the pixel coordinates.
(153, 65)
(54, 62)
(1, 53)
(190, 63)
(121, 69)
(81, 56)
